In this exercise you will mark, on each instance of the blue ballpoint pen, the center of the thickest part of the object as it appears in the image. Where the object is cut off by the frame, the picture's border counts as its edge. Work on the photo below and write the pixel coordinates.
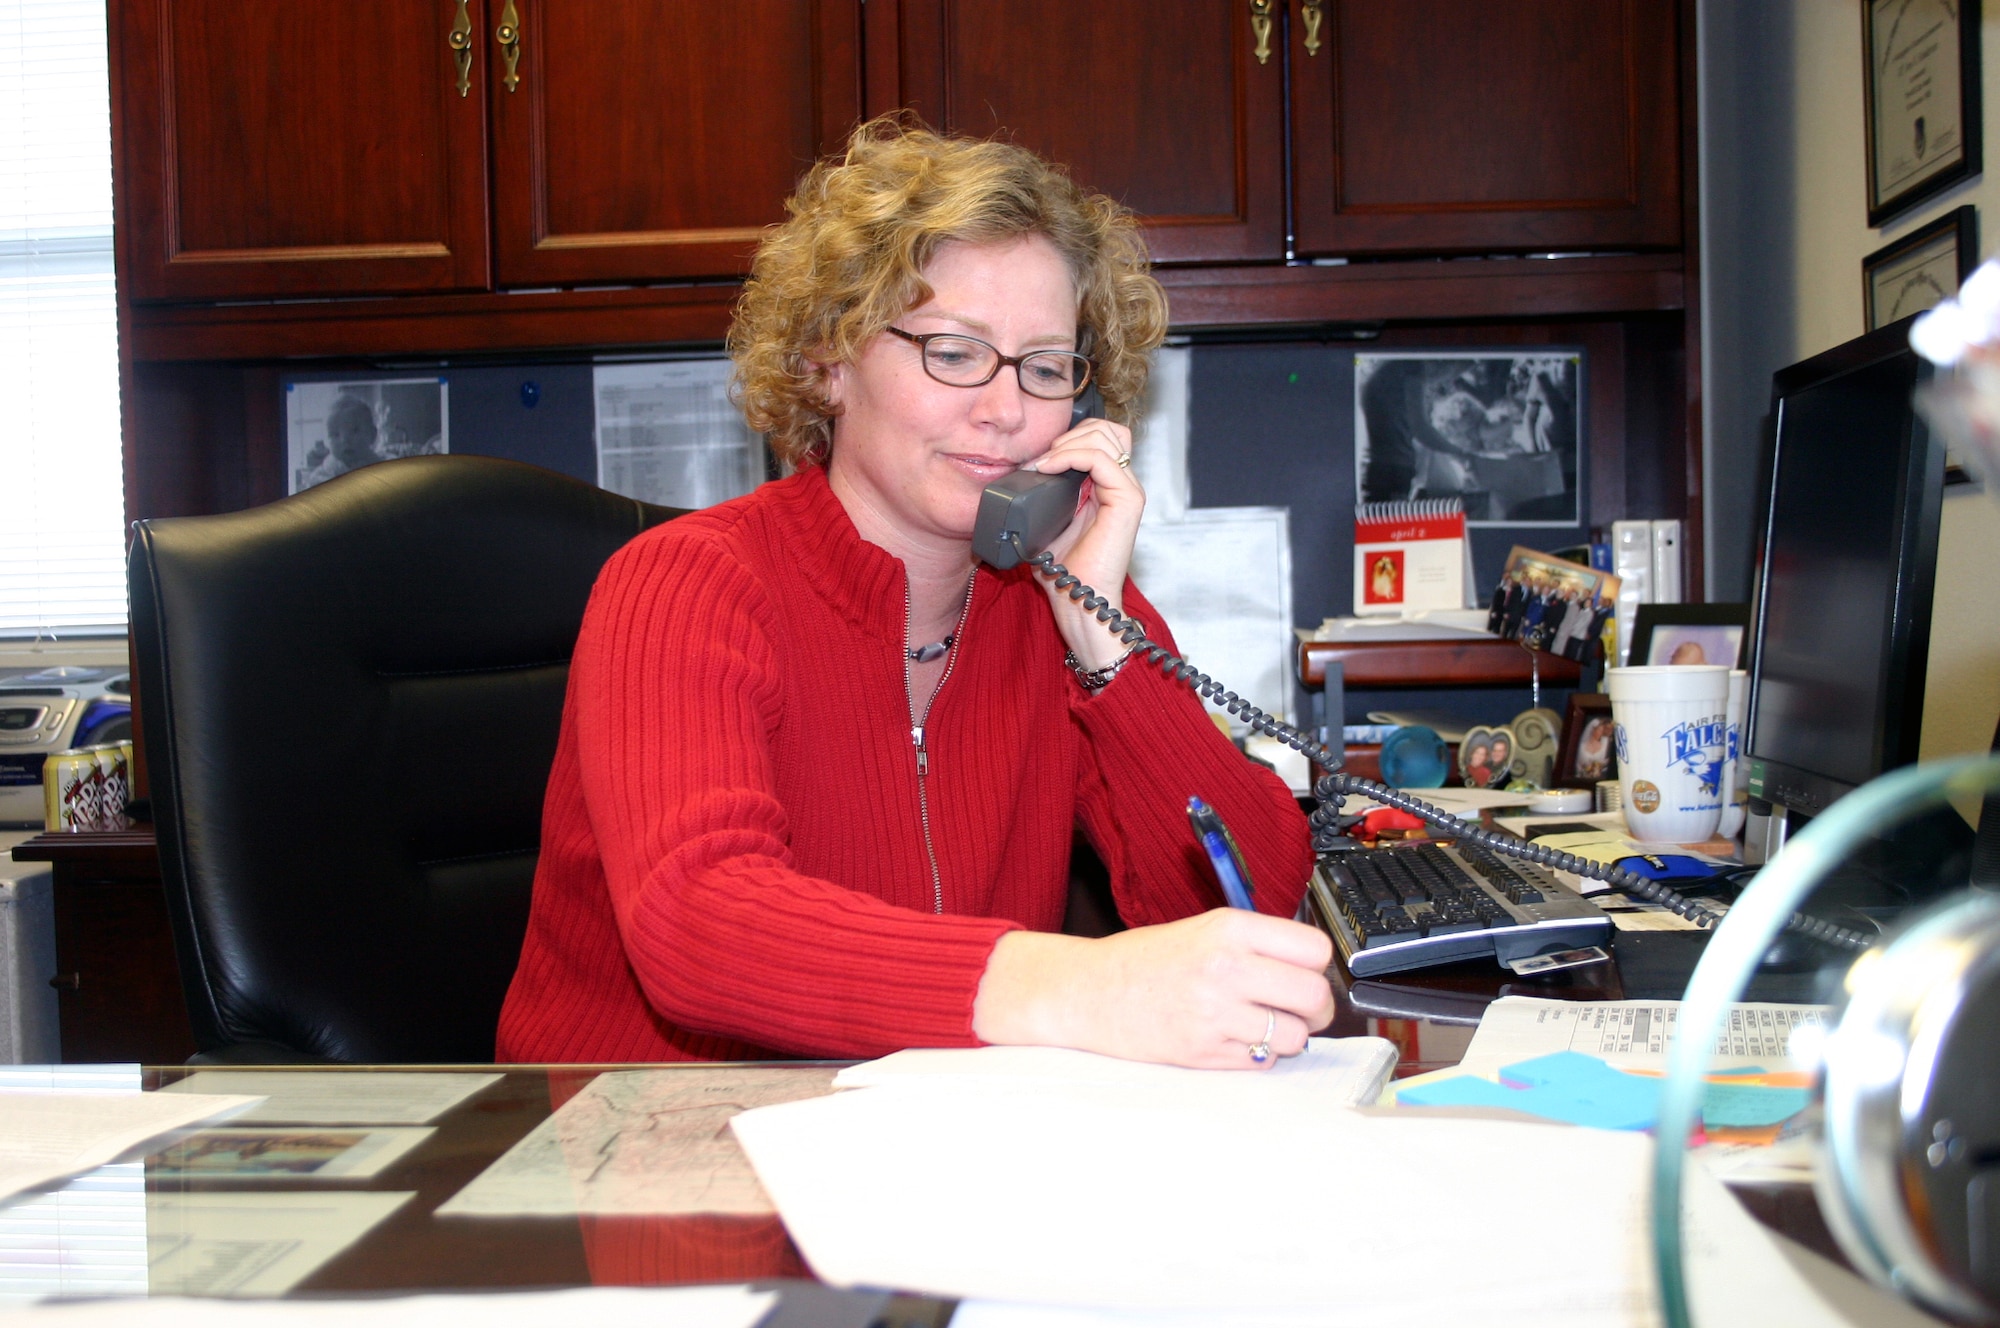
(1222, 853)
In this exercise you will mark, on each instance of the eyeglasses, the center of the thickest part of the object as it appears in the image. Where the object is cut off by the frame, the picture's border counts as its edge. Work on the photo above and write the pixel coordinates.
(960, 361)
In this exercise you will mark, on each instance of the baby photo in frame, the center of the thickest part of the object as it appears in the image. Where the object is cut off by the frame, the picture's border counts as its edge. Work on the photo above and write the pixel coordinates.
(1691, 634)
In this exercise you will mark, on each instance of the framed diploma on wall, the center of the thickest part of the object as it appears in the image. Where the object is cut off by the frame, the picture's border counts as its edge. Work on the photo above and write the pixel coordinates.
(1922, 98)
(1913, 272)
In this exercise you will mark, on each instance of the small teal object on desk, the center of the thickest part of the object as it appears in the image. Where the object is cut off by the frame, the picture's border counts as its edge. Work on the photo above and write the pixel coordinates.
(1415, 757)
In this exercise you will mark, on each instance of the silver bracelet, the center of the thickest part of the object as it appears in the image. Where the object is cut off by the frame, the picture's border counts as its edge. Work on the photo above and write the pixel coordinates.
(1094, 680)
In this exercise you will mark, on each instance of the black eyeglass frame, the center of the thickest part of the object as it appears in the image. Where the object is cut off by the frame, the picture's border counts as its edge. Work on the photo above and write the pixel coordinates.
(923, 340)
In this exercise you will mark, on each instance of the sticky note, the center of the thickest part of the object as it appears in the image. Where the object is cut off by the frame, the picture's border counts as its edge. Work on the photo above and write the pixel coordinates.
(1582, 1090)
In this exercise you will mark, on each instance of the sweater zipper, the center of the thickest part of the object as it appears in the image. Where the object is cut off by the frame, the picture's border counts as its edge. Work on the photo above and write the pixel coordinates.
(917, 729)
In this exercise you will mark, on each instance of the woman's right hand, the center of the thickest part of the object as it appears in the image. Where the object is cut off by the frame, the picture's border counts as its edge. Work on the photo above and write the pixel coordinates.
(1197, 992)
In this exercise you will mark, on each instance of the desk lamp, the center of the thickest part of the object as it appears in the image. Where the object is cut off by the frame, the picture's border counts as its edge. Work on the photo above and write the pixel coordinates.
(1908, 1167)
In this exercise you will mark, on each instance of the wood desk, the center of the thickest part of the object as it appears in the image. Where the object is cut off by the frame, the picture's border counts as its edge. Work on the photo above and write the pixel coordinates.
(118, 987)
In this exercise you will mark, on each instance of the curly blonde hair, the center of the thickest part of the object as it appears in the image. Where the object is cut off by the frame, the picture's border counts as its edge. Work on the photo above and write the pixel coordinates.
(863, 227)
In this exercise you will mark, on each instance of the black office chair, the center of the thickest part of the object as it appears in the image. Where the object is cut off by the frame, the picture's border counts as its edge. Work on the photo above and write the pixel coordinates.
(350, 700)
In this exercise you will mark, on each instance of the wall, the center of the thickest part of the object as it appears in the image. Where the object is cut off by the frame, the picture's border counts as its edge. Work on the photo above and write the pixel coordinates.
(1784, 230)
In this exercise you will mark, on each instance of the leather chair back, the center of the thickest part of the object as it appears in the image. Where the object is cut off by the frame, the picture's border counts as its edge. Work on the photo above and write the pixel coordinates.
(349, 700)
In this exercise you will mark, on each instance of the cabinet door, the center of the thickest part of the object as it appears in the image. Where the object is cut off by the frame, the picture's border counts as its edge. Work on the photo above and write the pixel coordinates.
(1488, 126)
(1164, 107)
(643, 140)
(297, 149)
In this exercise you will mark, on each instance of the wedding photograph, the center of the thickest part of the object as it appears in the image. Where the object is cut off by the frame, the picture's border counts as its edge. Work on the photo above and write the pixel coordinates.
(1500, 430)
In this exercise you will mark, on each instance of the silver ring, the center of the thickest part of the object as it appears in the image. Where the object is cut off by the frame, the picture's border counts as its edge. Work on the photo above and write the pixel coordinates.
(1124, 461)
(1261, 1051)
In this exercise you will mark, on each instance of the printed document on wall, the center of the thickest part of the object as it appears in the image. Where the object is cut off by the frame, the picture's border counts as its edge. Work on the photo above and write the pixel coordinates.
(667, 433)
(1222, 576)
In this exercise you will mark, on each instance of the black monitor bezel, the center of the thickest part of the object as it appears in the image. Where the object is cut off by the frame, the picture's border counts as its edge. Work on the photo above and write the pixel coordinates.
(1919, 514)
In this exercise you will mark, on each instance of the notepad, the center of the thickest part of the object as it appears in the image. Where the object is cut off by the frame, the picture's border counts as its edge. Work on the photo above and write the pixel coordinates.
(1332, 1072)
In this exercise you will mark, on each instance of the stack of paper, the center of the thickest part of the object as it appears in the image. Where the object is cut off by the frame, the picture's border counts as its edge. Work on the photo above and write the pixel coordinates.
(47, 1136)
(1120, 1205)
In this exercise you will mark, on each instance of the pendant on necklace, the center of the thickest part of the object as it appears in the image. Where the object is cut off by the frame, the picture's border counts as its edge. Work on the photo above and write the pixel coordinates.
(925, 654)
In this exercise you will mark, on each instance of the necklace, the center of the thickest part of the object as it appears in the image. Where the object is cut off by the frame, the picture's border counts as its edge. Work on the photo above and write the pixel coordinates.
(936, 649)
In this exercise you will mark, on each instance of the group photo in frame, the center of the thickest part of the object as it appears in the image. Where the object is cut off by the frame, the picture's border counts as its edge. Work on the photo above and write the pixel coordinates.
(1920, 67)
(1916, 271)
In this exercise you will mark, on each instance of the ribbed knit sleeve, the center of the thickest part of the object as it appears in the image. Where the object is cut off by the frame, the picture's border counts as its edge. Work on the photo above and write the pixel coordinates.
(676, 698)
(1148, 746)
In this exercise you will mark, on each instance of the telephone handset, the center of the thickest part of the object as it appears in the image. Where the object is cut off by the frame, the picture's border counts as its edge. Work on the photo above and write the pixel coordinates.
(1028, 507)
(1020, 513)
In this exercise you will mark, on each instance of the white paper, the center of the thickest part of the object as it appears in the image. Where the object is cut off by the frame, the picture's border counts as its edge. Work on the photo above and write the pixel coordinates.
(1160, 440)
(1222, 577)
(1331, 1072)
(289, 1154)
(339, 1097)
(1633, 1034)
(214, 1244)
(601, 1307)
(667, 433)
(1740, 1272)
(47, 1136)
(640, 1141)
(1118, 1197)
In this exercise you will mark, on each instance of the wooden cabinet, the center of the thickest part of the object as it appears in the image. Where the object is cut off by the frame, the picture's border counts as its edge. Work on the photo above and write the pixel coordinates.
(1163, 107)
(273, 150)
(1487, 126)
(282, 149)
(650, 141)
(1422, 126)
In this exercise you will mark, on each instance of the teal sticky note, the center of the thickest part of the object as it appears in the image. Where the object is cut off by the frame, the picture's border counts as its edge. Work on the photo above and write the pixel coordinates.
(1585, 1091)
(1466, 1090)
(1749, 1106)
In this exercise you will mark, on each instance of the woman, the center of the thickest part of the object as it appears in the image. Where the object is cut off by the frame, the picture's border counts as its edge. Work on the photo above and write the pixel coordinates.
(818, 770)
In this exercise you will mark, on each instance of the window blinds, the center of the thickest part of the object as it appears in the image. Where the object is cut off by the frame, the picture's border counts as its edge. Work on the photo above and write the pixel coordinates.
(61, 486)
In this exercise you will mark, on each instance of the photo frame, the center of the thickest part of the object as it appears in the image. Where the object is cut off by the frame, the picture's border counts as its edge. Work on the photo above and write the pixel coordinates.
(1915, 271)
(1589, 750)
(1696, 633)
(1548, 604)
(1500, 428)
(1920, 68)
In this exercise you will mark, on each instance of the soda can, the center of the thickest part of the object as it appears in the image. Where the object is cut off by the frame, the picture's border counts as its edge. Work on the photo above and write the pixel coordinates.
(69, 791)
(114, 785)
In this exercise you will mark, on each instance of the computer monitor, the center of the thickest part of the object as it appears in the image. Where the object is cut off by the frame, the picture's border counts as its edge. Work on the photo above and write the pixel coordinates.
(1846, 568)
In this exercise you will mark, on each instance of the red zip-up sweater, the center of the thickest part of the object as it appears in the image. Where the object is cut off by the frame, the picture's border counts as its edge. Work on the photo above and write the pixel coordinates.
(739, 856)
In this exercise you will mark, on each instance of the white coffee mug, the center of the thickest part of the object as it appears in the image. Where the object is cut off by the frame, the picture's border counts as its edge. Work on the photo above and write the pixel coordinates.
(1672, 725)
(1735, 773)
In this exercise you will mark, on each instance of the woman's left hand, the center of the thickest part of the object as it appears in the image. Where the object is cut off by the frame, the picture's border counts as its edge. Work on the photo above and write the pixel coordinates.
(1097, 545)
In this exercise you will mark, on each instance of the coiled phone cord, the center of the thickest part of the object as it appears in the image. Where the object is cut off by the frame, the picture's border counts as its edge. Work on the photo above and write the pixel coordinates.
(1334, 786)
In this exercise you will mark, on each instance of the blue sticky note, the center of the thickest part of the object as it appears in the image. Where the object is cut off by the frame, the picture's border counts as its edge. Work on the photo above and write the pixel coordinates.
(1582, 1090)
(1750, 1106)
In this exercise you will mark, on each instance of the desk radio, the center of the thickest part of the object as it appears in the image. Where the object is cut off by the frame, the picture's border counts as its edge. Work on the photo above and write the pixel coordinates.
(49, 710)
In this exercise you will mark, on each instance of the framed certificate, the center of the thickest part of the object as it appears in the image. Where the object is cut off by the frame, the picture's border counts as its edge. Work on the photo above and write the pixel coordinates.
(1922, 97)
(1915, 271)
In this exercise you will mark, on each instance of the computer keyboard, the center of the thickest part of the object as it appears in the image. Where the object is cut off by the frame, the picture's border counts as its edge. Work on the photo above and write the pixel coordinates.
(1389, 909)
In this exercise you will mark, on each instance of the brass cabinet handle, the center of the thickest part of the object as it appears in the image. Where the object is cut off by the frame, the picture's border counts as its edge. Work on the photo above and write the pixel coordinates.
(508, 34)
(460, 41)
(1313, 14)
(1260, 27)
